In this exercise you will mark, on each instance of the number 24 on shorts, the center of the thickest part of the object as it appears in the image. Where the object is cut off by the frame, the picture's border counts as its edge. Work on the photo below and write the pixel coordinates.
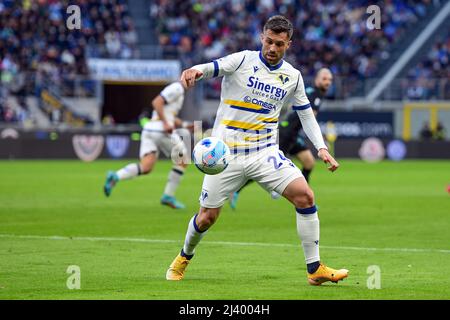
(277, 164)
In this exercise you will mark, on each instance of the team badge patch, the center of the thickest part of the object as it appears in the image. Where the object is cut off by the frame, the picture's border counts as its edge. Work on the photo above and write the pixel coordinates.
(9, 133)
(283, 79)
(204, 195)
(117, 146)
(88, 147)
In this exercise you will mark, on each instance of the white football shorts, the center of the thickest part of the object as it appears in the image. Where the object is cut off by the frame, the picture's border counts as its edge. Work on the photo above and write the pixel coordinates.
(154, 139)
(268, 167)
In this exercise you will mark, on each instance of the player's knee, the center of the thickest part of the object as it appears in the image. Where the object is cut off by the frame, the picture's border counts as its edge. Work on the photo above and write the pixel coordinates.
(145, 169)
(304, 199)
(205, 222)
(308, 161)
(309, 164)
(206, 218)
(146, 164)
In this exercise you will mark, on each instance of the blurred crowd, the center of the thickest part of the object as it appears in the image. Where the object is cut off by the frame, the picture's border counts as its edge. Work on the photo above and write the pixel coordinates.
(36, 47)
(431, 76)
(327, 33)
(35, 32)
(35, 43)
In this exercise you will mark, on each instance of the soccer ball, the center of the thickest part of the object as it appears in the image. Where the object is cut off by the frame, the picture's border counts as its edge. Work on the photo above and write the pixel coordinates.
(211, 155)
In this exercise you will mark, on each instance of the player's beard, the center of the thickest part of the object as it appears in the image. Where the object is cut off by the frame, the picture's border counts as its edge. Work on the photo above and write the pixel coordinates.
(272, 57)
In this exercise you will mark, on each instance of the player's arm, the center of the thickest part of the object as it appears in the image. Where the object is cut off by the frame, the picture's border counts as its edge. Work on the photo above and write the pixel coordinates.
(220, 67)
(168, 95)
(158, 105)
(310, 125)
(179, 123)
(313, 132)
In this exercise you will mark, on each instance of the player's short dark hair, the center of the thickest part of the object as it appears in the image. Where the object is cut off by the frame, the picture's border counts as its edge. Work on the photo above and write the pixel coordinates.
(279, 24)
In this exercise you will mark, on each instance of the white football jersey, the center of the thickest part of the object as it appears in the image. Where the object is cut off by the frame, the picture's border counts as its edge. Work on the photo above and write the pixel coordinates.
(173, 96)
(252, 96)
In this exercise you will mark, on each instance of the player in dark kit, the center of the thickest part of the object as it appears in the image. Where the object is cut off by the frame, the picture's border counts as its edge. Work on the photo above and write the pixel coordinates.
(291, 142)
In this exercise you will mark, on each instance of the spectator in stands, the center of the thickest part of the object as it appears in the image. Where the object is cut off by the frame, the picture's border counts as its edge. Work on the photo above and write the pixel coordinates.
(36, 47)
(2, 110)
(439, 133)
(34, 33)
(333, 33)
(7, 114)
(432, 72)
(108, 120)
(425, 132)
(416, 91)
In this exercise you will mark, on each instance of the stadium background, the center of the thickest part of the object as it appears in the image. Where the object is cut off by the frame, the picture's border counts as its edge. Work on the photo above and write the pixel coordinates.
(81, 94)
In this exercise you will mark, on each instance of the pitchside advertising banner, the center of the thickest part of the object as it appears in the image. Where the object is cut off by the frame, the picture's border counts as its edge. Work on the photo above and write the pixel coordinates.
(89, 146)
(358, 124)
(135, 70)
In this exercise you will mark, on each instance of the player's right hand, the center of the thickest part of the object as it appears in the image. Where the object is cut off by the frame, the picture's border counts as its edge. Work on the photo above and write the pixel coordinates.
(328, 159)
(167, 127)
(189, 76)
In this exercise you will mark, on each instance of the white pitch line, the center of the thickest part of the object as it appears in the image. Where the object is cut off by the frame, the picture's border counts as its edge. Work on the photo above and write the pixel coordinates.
(225, 243)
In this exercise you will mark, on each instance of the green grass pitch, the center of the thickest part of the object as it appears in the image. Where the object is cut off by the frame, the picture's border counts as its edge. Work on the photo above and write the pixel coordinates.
(392, 215)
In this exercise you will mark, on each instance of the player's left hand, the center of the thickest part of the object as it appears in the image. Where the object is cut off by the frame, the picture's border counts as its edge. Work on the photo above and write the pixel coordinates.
(327, 158)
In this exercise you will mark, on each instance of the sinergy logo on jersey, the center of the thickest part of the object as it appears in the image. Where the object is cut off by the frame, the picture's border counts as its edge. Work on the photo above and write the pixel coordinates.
(266, 90)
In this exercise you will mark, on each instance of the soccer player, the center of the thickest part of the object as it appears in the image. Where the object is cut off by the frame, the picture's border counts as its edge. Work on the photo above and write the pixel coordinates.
(291, 142)
(157, 135)
(256, 85)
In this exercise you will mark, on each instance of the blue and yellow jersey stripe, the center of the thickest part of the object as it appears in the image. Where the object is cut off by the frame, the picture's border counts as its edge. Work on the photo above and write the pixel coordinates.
(268, 120)
(246, 150)
(243, 125)
(304, 107)
(258, 138)
(247, 127)
(238, 144)
(246, 106)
